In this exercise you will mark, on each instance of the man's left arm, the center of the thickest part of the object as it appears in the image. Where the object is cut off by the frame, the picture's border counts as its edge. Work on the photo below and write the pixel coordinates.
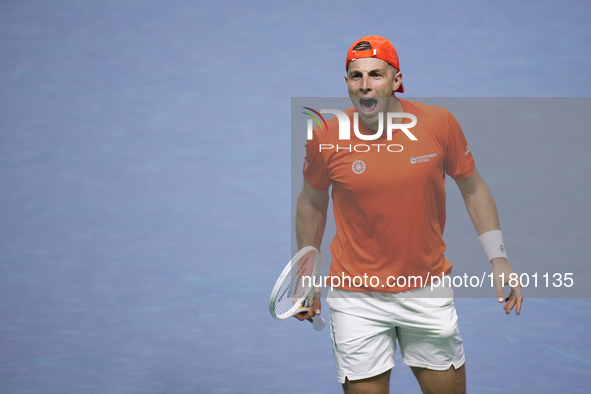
(483, 212)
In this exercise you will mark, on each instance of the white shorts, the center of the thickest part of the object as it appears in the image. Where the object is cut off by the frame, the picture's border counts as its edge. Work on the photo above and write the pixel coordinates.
(364, 328)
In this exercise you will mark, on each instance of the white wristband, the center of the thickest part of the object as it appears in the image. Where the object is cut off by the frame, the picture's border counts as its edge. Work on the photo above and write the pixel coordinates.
(492, 242)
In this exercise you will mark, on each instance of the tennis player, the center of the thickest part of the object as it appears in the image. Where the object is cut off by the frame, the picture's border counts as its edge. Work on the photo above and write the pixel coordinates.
(389, 208)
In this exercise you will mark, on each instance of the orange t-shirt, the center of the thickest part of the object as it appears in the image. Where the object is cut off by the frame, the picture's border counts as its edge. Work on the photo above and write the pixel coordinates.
(389, 205)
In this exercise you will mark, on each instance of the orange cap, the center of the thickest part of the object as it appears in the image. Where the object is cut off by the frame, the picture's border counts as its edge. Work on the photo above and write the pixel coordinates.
(381, 49)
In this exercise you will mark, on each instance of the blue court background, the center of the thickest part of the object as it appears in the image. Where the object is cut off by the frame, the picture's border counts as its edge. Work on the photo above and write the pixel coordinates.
(144, 151)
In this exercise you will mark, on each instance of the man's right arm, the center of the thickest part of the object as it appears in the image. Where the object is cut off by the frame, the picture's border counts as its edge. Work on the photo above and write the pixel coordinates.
(311, 216)
(310, 222)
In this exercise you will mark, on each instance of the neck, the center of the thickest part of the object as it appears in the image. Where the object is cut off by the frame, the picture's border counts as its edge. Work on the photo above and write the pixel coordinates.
(395, 105)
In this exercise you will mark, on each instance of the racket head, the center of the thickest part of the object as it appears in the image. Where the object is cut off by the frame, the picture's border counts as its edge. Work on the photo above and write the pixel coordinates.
(291, 290)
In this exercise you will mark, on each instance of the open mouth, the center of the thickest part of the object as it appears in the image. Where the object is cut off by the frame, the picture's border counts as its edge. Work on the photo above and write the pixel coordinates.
(368, 105)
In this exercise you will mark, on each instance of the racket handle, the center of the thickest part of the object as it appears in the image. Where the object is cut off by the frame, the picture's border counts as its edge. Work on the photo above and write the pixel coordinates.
(318, 323)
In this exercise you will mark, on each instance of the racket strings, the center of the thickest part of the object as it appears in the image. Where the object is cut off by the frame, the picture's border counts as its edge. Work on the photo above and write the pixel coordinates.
(296, 286)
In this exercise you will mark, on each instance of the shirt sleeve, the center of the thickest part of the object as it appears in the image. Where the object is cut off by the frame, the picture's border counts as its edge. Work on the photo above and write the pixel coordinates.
(315, 168)
(459, 162)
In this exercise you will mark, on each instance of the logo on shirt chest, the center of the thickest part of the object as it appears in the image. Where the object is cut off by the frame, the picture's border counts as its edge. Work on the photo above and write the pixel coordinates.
(358, 166)
(422, 159)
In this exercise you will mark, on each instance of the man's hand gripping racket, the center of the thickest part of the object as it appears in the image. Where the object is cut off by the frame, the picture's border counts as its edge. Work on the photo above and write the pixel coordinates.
(295, 285)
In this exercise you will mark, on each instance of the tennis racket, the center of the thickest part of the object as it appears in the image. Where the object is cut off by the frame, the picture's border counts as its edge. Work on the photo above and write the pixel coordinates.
(295, 284)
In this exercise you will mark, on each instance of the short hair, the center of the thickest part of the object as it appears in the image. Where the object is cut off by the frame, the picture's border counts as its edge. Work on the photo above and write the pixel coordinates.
(362, 46)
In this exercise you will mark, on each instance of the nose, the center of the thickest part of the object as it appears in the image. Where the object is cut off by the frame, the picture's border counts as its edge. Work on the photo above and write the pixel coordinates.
(365, 84)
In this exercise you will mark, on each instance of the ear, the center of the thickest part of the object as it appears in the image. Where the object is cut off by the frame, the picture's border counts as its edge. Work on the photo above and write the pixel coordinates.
(397, 81)
(346, 79)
